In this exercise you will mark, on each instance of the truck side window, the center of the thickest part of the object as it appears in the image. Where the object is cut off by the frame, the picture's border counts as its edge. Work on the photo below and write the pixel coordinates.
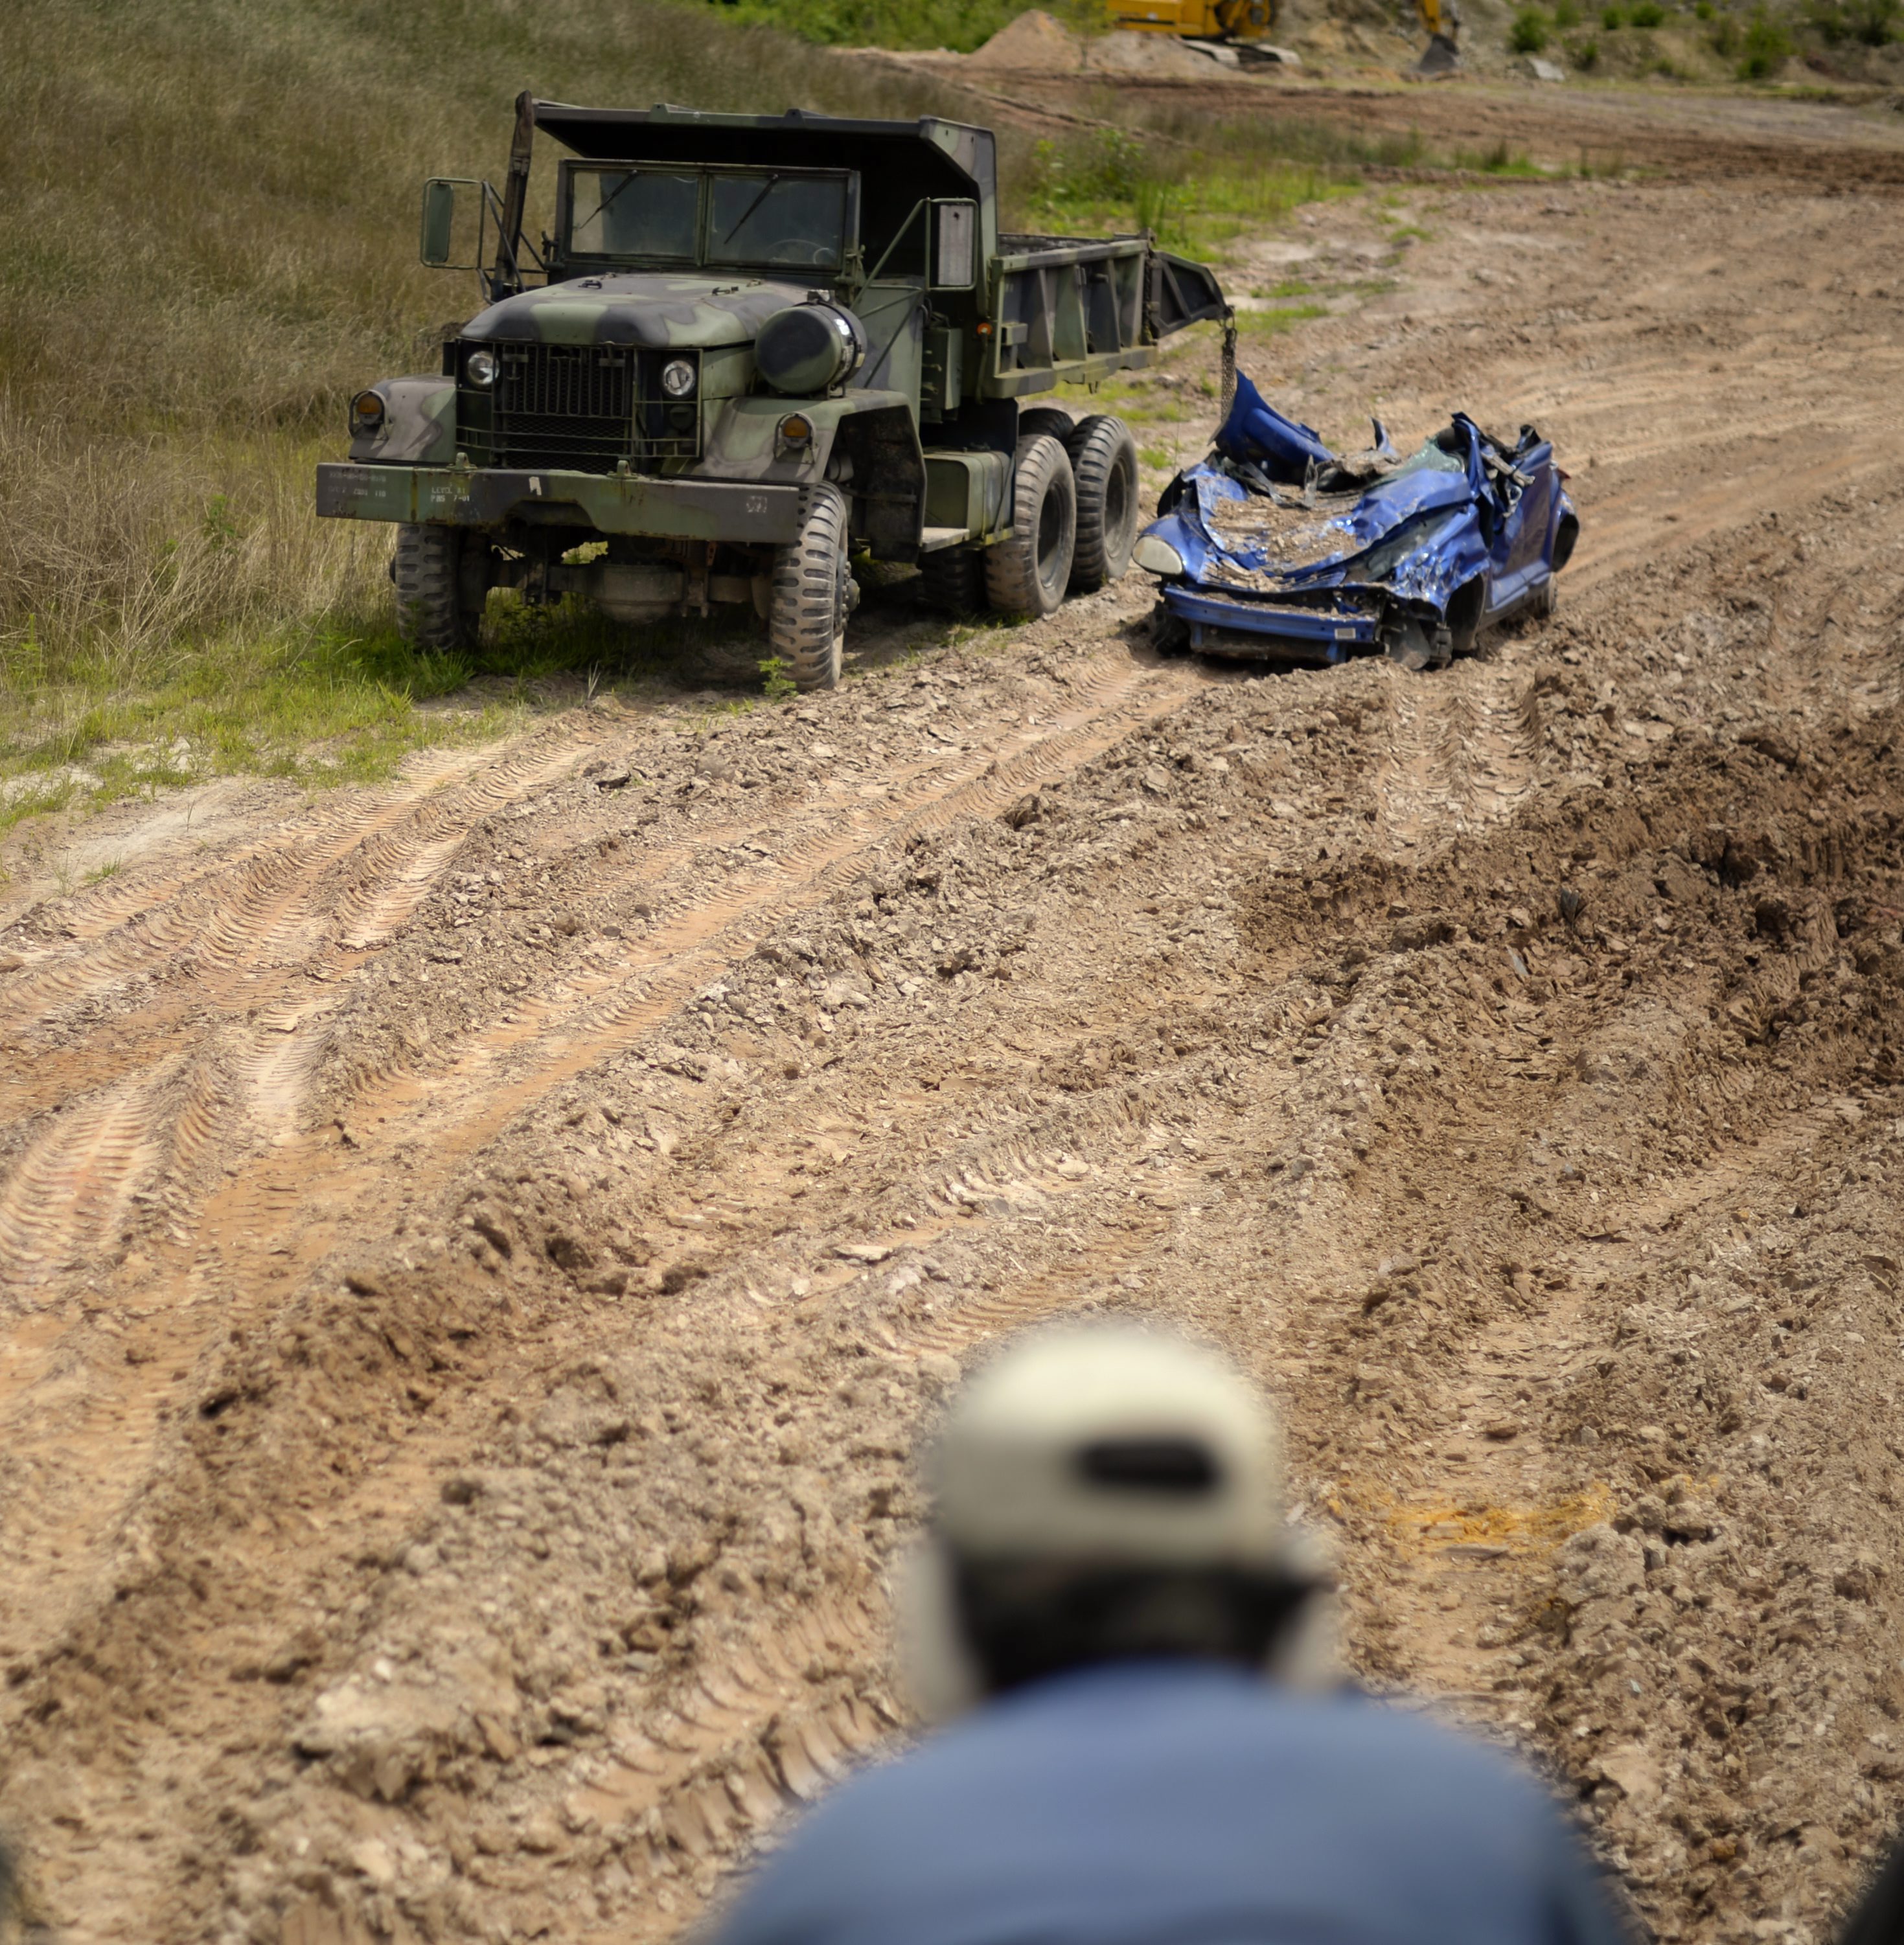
(633, 212)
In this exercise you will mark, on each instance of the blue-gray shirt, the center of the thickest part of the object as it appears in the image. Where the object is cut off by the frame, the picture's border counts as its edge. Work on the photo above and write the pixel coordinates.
(1180, 1803)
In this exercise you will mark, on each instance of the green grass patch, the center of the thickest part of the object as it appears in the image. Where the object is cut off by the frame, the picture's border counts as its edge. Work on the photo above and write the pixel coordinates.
(1273, 323)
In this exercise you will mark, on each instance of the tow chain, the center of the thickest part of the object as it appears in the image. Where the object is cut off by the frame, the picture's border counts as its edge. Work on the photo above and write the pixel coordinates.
(1229, 361)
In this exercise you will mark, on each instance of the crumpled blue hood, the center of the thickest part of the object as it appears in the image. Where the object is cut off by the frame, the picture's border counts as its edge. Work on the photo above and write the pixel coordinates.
(1274, 511)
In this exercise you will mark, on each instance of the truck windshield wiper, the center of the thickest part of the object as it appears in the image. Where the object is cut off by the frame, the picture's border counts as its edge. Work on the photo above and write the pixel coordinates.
(766, 187)
(626, 182)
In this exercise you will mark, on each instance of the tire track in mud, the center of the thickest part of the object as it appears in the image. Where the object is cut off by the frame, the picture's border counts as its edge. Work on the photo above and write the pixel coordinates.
(551, 1040)
(223, 1259)
(286, 917)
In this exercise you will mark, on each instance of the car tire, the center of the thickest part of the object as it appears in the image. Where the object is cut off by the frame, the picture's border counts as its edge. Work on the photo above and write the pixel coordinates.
(1170, 634)
(442, 579)
(1547, 602)
(1052, 420)
(813, 594)
(1028, 574)
(1104, 462)
(952, 580)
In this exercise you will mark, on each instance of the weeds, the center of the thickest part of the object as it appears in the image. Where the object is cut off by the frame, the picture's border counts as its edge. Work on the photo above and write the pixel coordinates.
(1764, 47)
(1584, 52)
(777, 685)
(1528, 35)
(1873, 24)
(1647, 13)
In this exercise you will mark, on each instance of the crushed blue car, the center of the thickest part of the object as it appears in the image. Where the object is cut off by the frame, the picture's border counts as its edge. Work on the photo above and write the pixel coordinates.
(1276, 547)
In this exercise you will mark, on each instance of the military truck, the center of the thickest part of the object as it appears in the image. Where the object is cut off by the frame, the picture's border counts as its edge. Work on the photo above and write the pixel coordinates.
(752, 349)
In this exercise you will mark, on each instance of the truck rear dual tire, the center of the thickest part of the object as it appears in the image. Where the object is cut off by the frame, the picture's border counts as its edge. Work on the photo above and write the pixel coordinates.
(813, 594)
(1028, 574)
(1104, 462)
(1104, 459)
(443, 581)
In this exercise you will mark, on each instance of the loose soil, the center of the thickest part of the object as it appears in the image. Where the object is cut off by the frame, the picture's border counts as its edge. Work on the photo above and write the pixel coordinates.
(478, 1254)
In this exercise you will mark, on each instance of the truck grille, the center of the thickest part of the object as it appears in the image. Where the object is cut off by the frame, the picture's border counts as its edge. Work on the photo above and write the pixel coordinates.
(576, 408)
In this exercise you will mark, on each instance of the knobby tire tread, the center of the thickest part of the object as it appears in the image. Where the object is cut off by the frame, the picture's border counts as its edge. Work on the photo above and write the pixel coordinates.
(1041, 466)
(806, 615)
(1101, 449)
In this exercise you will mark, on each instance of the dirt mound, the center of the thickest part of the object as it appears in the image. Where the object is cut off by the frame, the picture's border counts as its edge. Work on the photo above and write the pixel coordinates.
(1035, 43)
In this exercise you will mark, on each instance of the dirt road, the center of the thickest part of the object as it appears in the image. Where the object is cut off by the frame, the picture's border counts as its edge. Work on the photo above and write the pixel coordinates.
(476, 1255)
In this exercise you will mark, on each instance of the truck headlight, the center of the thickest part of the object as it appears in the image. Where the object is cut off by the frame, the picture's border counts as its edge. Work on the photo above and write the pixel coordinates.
(1155, 555)
(677, 377)
(479, 367)
(366, 412)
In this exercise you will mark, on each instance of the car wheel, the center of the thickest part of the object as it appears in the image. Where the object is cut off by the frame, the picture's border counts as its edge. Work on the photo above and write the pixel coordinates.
(952, 580)
(813, 594)
(1170, 634)
(1027, 574)
(441, 577)
(1104, 462)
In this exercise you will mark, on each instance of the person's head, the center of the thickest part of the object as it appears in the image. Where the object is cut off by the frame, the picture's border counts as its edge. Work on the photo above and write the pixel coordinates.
(1104, 1493)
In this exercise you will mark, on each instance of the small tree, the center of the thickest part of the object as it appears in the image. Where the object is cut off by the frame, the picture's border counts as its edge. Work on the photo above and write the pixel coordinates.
(1766, 47)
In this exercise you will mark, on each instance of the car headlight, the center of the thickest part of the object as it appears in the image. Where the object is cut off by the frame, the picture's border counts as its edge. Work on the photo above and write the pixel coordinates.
(677, 377)
(1155, 555)
(479, 367)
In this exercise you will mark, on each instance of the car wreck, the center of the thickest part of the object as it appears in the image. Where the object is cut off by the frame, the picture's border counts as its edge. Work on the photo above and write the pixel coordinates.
(1276, 548)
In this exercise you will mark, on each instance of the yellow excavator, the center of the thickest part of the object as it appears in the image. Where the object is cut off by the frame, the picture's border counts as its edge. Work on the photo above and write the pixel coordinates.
(1241, 29)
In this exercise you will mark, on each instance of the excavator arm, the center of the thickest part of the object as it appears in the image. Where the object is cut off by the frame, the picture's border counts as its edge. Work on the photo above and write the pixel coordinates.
(1442, 53)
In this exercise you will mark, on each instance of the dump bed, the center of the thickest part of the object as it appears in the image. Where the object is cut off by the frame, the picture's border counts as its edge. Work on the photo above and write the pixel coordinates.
(1074, 309)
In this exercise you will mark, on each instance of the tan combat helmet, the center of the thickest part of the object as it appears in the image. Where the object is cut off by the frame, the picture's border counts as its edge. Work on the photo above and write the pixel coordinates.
(1106, 1449)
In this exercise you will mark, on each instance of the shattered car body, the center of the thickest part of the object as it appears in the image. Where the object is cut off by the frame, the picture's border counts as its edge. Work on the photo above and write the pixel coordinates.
(1275, 547)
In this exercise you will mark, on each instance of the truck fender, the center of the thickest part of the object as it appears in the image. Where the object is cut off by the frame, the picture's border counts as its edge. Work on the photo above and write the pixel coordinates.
(887, 485)
(419, 426)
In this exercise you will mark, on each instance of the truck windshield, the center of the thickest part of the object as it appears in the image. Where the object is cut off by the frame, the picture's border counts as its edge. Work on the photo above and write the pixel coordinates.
(634, 213)
(767, 218)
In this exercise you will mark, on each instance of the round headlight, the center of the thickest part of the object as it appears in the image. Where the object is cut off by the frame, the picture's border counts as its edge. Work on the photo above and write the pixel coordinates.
(1155, 555)
(809, 348)
(367, 411)
(480, 368)
(677, 377)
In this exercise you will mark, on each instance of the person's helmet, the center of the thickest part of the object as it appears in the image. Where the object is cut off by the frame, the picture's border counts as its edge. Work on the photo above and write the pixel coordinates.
(1099, 1492)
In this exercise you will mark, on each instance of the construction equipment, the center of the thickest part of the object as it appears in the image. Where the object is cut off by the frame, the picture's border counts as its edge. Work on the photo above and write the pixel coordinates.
(1443, 21)
(1228, 30)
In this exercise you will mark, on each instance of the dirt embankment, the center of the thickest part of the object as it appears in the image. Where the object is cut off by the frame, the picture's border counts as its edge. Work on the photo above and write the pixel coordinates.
(478, 1255)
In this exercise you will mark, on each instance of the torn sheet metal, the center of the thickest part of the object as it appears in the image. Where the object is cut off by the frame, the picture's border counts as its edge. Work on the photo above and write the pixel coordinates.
(1276, 535)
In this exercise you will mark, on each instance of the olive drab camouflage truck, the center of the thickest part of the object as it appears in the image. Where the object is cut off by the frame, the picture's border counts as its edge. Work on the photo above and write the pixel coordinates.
(753, 347)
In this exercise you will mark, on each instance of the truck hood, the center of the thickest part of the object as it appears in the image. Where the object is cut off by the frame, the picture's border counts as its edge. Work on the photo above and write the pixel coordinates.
(649, 308)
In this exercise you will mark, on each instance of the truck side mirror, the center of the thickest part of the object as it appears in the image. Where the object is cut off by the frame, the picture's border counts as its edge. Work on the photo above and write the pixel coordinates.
(955, 246)
(446, 242)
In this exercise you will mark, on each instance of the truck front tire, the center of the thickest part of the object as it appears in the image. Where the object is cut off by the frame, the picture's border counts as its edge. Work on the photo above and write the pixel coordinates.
(813, 594)
(1028, 574)
(441, 577)
(1104, 461)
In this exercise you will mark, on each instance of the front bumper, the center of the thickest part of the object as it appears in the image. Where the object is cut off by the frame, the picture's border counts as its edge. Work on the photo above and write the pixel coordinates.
(613, 502)
(1325, 634)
